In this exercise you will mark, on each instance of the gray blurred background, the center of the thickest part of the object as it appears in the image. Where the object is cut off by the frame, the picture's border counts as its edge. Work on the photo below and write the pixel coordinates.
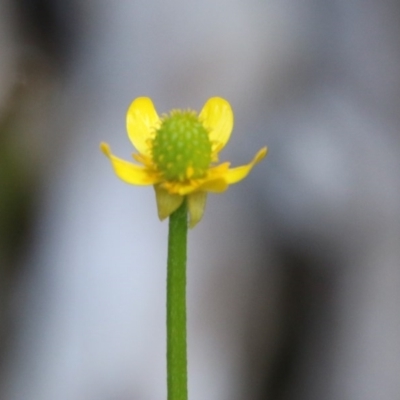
(293, 274)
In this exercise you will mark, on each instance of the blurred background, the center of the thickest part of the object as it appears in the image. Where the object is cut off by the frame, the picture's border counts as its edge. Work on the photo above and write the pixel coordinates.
(293, 275)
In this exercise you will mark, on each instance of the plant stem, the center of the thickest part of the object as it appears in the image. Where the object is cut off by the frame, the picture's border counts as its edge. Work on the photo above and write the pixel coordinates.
(176, 306)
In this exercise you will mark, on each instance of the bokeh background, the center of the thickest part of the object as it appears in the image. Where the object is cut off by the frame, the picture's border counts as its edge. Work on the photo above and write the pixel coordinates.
(293, 275)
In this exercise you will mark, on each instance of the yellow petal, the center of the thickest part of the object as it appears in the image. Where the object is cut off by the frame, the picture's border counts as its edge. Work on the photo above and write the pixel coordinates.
(215, 181)
(128, 172)
(141, 121)
(217, 185)
(218, 170)
(235, 175)
(217, 117)
(141, 158)
(196, 206)
(167, 203)
(180, 188)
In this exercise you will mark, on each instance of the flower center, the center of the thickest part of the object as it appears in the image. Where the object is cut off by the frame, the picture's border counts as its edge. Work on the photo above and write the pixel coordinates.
(181, 147)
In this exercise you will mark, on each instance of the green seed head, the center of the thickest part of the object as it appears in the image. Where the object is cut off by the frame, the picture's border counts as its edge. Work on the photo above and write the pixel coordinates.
(181, 147)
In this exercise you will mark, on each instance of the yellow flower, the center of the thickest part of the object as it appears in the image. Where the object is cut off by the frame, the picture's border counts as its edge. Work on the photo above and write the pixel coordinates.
(177, 153)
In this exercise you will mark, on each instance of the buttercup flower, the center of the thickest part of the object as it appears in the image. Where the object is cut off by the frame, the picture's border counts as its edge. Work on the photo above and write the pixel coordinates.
(177, 153)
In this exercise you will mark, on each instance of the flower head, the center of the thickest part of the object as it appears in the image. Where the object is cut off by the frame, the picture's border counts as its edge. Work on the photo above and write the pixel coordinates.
(177, 153)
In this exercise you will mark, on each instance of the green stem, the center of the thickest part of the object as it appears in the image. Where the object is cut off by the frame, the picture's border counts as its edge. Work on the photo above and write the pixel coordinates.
(176, 306)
